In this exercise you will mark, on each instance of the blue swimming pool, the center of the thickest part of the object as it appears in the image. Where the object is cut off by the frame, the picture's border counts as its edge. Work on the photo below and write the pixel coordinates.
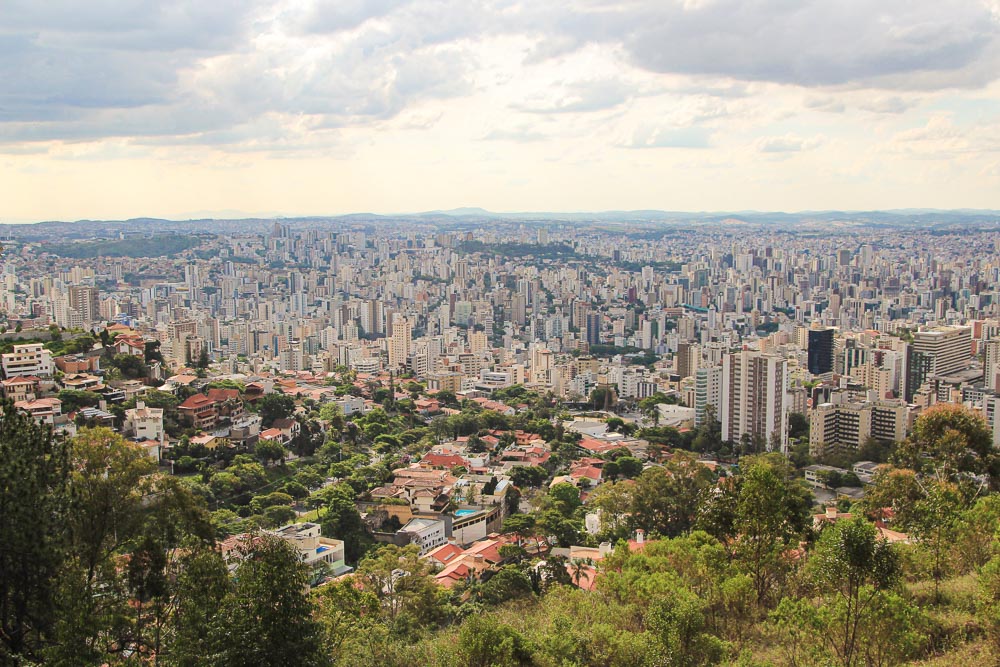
(465, 512)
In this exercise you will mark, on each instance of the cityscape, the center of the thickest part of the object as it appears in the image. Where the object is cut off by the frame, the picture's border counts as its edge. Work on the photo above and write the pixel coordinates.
(414, 333)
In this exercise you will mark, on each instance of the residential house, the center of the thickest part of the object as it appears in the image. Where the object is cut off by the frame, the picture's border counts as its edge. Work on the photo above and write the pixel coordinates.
(21, 388)
(44, 410)
(144, 423)
(199, 411)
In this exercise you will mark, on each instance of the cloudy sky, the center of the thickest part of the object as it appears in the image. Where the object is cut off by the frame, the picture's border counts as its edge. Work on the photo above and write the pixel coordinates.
(121, 108)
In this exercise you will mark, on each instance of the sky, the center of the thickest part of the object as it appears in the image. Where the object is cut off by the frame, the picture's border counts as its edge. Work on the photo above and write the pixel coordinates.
(128, 108)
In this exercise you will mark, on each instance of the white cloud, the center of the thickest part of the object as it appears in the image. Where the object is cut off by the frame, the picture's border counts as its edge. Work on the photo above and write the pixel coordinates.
(788, 143)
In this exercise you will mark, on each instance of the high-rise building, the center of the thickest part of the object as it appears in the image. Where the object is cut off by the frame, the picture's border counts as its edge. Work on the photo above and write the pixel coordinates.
(707, 392)
(918, 367)
(594, 328)
(949, 348)
(688, 359)
(754, 398)
(849, 425)
(399, 341)
(85, 299)
(820, 354)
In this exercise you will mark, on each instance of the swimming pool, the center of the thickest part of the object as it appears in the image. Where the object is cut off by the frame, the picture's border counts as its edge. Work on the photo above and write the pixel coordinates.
(465, 512)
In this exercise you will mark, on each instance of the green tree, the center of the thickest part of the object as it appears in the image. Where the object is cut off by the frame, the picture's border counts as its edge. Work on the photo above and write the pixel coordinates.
(857, 566)
(947, 440)
(34, 501)
(528, 476)
(269, 451)
(483, 641)
(400, 579)
(202, 585)
(343, 521)
(275, 406)
(665, 499)
(565, 497)
(677, 622)
(603, 398)
(266, 617)
(989, 599)
(772, 510)
(798, 426)
(74, 399)
(508, 583)
(935, 525)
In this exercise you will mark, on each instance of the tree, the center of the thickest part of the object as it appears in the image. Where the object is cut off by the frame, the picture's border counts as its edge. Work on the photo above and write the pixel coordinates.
(343, 521)
(935, 525)
(74, 399)
(485, 642)
(947, 440)
(709, 436)
(269, 451)
(275, 406)
(856, 565)
(798, 426)
(665, 499)
(603, 398)
(333, 415)
(202, 585)
(989, 599)
(508, 583)
(629, 466)
(677, 622)
(34, 500)
(203, 360)
(525, 476)
(565, 497)
(130, 366)
(771, 512)
(400, 579)
(266, 617)
(523, 525)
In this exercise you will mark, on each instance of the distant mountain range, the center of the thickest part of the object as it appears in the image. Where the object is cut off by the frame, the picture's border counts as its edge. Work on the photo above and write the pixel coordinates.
(932, 219)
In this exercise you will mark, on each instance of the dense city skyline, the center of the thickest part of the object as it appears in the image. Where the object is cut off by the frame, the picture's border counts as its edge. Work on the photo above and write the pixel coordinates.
(274, 108)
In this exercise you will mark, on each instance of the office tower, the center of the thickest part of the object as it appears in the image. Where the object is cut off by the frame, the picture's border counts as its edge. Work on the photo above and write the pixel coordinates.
(594, 328)
(949, 348)
(820, 355)
(918, 367)
(754, 398)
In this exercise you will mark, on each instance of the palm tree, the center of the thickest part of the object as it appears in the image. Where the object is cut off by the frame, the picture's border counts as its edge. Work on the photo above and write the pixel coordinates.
(578, 567)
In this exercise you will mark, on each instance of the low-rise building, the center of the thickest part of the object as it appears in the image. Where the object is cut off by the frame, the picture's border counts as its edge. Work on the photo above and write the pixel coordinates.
(314, 549)
(144, 423)
(27, 359)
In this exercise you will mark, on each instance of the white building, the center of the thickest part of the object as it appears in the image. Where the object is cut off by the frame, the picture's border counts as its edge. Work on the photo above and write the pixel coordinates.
(313, 548)
(755, 397)
(145, 423)
(428, 534)
(27, 359)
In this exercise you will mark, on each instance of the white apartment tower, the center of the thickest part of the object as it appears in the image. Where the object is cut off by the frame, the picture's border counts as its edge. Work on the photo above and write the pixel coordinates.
(755, 397)
(399, 342)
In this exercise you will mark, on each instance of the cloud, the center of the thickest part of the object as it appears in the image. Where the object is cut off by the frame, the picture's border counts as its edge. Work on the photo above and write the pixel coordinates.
(890, 105)
(788, 143)
(810, 42)
(214, 72)
(827, 104)
(648, 136)
(581, 96)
